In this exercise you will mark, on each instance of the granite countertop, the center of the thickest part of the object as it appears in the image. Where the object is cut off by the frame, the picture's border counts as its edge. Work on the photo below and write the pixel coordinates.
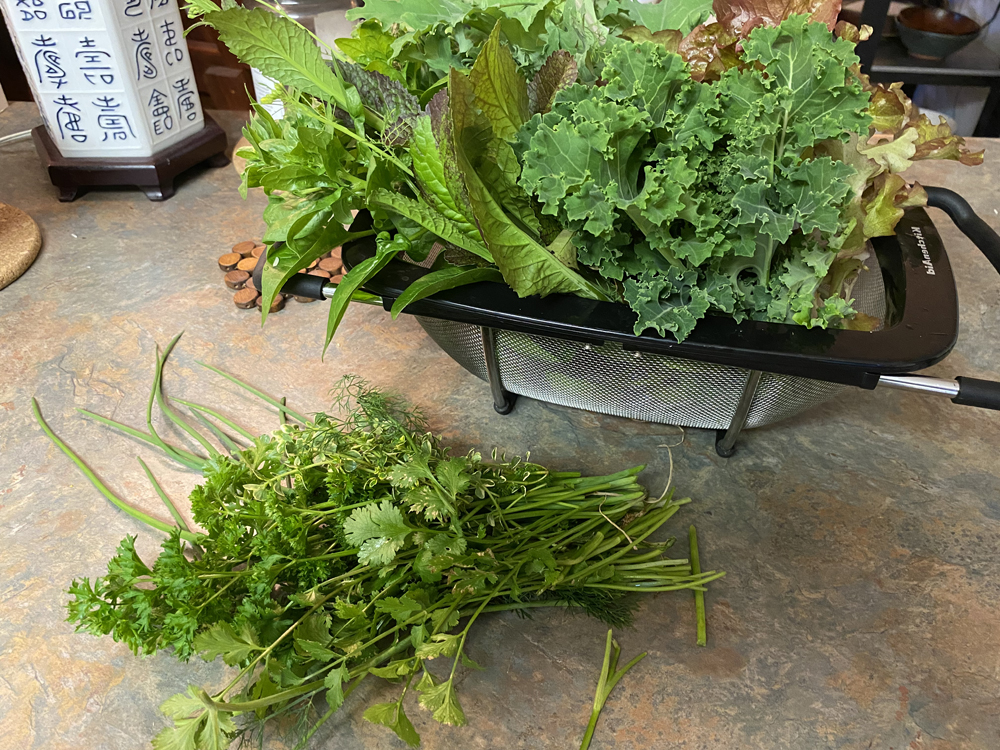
(861, 606)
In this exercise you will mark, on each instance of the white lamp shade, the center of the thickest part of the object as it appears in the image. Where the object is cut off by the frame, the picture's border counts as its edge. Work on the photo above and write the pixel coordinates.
(112, 78)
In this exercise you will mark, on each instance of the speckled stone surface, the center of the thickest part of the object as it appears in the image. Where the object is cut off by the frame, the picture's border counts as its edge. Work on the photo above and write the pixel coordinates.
(862, 603)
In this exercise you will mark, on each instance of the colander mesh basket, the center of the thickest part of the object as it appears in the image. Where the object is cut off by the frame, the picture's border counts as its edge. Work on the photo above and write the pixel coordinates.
(651, 387)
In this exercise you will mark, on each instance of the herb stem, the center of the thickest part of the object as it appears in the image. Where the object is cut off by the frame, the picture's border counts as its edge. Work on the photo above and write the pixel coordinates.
(101, 487)
(699, 596)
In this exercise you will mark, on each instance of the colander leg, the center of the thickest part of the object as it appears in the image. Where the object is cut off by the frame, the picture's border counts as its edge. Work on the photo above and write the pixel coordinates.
(503, 400)
(725, 442)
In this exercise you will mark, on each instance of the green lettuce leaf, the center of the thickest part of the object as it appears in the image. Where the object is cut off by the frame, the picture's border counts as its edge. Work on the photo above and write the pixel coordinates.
(371, 48)
(417, 15)
(682, 15)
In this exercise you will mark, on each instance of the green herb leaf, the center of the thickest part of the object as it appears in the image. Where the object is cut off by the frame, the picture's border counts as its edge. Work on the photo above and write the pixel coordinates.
(440, 644)
(449, 277)
(401, 609)
(285, 262)
(281, 49)
(434, 222)
(379, 530)
(222, 640)
(353, 280)
(392, 715)
(334, 684)
(442, 700)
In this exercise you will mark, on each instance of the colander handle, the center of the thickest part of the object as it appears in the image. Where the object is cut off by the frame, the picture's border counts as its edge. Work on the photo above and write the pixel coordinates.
(973, 227)
(299, 285)
(983, 394)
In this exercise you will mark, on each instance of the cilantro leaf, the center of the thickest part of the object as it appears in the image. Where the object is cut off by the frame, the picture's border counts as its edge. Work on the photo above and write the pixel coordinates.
(222, 640)
(401, 609)
(334, 684)
(442, 700)
(392, 715)
(379, 531)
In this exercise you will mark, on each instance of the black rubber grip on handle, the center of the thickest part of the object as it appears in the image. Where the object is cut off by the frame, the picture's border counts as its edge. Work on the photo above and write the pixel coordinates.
(977, 230)
(984, 394)
(299, 285)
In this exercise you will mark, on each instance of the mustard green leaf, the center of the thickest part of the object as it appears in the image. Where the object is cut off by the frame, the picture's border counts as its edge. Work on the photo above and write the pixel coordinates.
(499, 89)
(434, 222)
(557, 73)
(434, 164)
(563, 248)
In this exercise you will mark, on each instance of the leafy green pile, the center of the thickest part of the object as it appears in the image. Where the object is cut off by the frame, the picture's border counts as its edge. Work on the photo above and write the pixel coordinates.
(610, 149)
(339, 548)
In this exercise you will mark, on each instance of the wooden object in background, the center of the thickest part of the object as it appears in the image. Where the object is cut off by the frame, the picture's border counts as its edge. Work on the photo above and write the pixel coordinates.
(277, 304)
(236, 279)
(247, 264)
(331, 265)
(153, 175)
(221, 78)
(244, 248)
(246, 298)
(228, 261)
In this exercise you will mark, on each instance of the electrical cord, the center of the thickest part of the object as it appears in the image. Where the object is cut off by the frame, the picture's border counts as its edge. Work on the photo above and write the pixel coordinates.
(15, 137)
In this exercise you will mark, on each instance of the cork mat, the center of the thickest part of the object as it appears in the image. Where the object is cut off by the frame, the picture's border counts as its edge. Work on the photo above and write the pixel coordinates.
(20, 242)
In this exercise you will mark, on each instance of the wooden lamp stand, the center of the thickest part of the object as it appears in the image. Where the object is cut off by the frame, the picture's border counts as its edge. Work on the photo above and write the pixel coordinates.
(153, 175)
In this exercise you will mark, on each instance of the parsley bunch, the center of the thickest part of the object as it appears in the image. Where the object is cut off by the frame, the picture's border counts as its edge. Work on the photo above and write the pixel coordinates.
(341, 547)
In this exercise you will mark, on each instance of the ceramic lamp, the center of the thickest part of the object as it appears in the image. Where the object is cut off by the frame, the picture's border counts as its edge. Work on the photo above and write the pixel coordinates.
(112, 78)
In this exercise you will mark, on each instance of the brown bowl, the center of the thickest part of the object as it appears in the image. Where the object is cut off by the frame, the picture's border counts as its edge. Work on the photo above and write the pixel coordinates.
(934, 33)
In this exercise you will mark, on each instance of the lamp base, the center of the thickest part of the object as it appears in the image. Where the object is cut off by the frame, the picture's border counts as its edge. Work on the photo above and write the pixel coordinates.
(154, 175)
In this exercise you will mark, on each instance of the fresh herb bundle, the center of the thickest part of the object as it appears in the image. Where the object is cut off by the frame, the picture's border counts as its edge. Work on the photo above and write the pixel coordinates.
(611, 149)
(342, 547)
